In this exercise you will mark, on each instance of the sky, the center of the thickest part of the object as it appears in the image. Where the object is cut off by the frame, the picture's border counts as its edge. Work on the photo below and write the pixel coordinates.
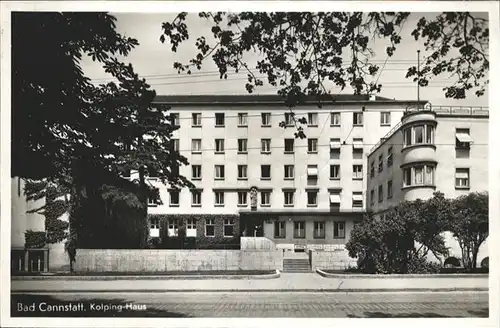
(153, 61)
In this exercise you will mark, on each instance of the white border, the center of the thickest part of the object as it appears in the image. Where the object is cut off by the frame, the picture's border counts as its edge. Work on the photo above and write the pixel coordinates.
(155, 6)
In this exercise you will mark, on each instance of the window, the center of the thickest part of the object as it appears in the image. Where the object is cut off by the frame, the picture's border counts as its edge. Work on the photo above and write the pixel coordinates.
(418, 175)
(462, 178)
(334, 171)
(339, 229)
(279, 229)
(312, 119)
(242, 146)
(219, 198)
(173, 227)
(289, 172)
(429, 175)
(289, 145)
(209, 227)
(265, 145)
(196, 172)
(380, 193)
(419, 134)
(319, 229)
(196, 146)
(407, 137)
(357, 144)
(265, 172)
(385, 118)
(389, 157)
(242, 119)
(335, 144)
(219, 145)
(174, 197)
(335, 200)
(175, 144)
(389, 189)
(266, 119)
(265, 198)
(299, 230)
(372, 197)
(154, 223)
(429, 134)
(407, 177)
(190, 228)
(463, 139)
(312, 198)
(174, 119)
(220, 172)
(357, 200)
(335, 119)
(242, 198)
(196, 121)
(380, 163)
(372, 169)
(312, 145)
(289, 198)
(289, 119)
(152, 201)
(228, 227)
(357, 172)
(196, 198)
(312, 172)
(242, 172)
(220, 119)
(357, 118)
(190, 224)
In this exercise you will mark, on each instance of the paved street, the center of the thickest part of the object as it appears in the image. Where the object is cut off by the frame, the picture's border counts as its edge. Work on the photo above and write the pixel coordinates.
(259, 304)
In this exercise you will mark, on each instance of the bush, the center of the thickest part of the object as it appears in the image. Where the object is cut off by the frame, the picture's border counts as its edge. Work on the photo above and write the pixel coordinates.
(485, 263)
(418, 265)
(451, 262)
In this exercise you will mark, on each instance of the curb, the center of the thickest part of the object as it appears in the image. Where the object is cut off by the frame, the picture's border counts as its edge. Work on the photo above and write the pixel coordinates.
(318, 290)
(392, 276)
(275, 275)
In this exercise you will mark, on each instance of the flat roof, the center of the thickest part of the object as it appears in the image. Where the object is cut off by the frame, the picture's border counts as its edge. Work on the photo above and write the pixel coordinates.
(250, 99)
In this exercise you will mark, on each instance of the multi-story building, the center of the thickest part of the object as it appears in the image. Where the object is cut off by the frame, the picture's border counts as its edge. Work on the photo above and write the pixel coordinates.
(253, 176)
(435, 148)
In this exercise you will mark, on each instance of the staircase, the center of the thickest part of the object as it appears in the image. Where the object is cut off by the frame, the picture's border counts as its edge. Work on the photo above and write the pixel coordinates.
(296, 265)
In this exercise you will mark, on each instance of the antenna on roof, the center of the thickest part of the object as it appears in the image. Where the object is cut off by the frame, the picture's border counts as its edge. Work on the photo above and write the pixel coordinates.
(418, 79)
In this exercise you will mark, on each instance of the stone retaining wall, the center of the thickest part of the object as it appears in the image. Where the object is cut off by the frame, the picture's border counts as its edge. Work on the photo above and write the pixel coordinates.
(160, 260)
(331, 260)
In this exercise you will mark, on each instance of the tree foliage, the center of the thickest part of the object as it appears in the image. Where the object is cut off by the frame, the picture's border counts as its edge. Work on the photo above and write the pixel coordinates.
(306, 53)
(469, 225)
(60, 118)
(399, 240)
(81, 138)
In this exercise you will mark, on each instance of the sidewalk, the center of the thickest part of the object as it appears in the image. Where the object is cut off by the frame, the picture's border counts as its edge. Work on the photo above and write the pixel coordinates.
(288, 282)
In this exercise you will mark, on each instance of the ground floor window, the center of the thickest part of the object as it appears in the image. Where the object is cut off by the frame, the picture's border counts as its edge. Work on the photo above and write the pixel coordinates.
(339, 229)
(279, 229)
(209, 227)
(319, 229)
(299, 230)
(228, 227)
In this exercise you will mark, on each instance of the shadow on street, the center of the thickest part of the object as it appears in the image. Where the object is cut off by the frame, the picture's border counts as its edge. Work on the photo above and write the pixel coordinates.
(118, 307)
(483, 313)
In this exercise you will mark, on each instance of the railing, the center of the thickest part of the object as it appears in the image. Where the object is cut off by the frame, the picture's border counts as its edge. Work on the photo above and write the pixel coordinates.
(451, 110)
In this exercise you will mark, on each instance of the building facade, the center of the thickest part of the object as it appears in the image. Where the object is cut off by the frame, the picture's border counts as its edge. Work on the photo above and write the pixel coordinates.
(432, 149)
(297, 192)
